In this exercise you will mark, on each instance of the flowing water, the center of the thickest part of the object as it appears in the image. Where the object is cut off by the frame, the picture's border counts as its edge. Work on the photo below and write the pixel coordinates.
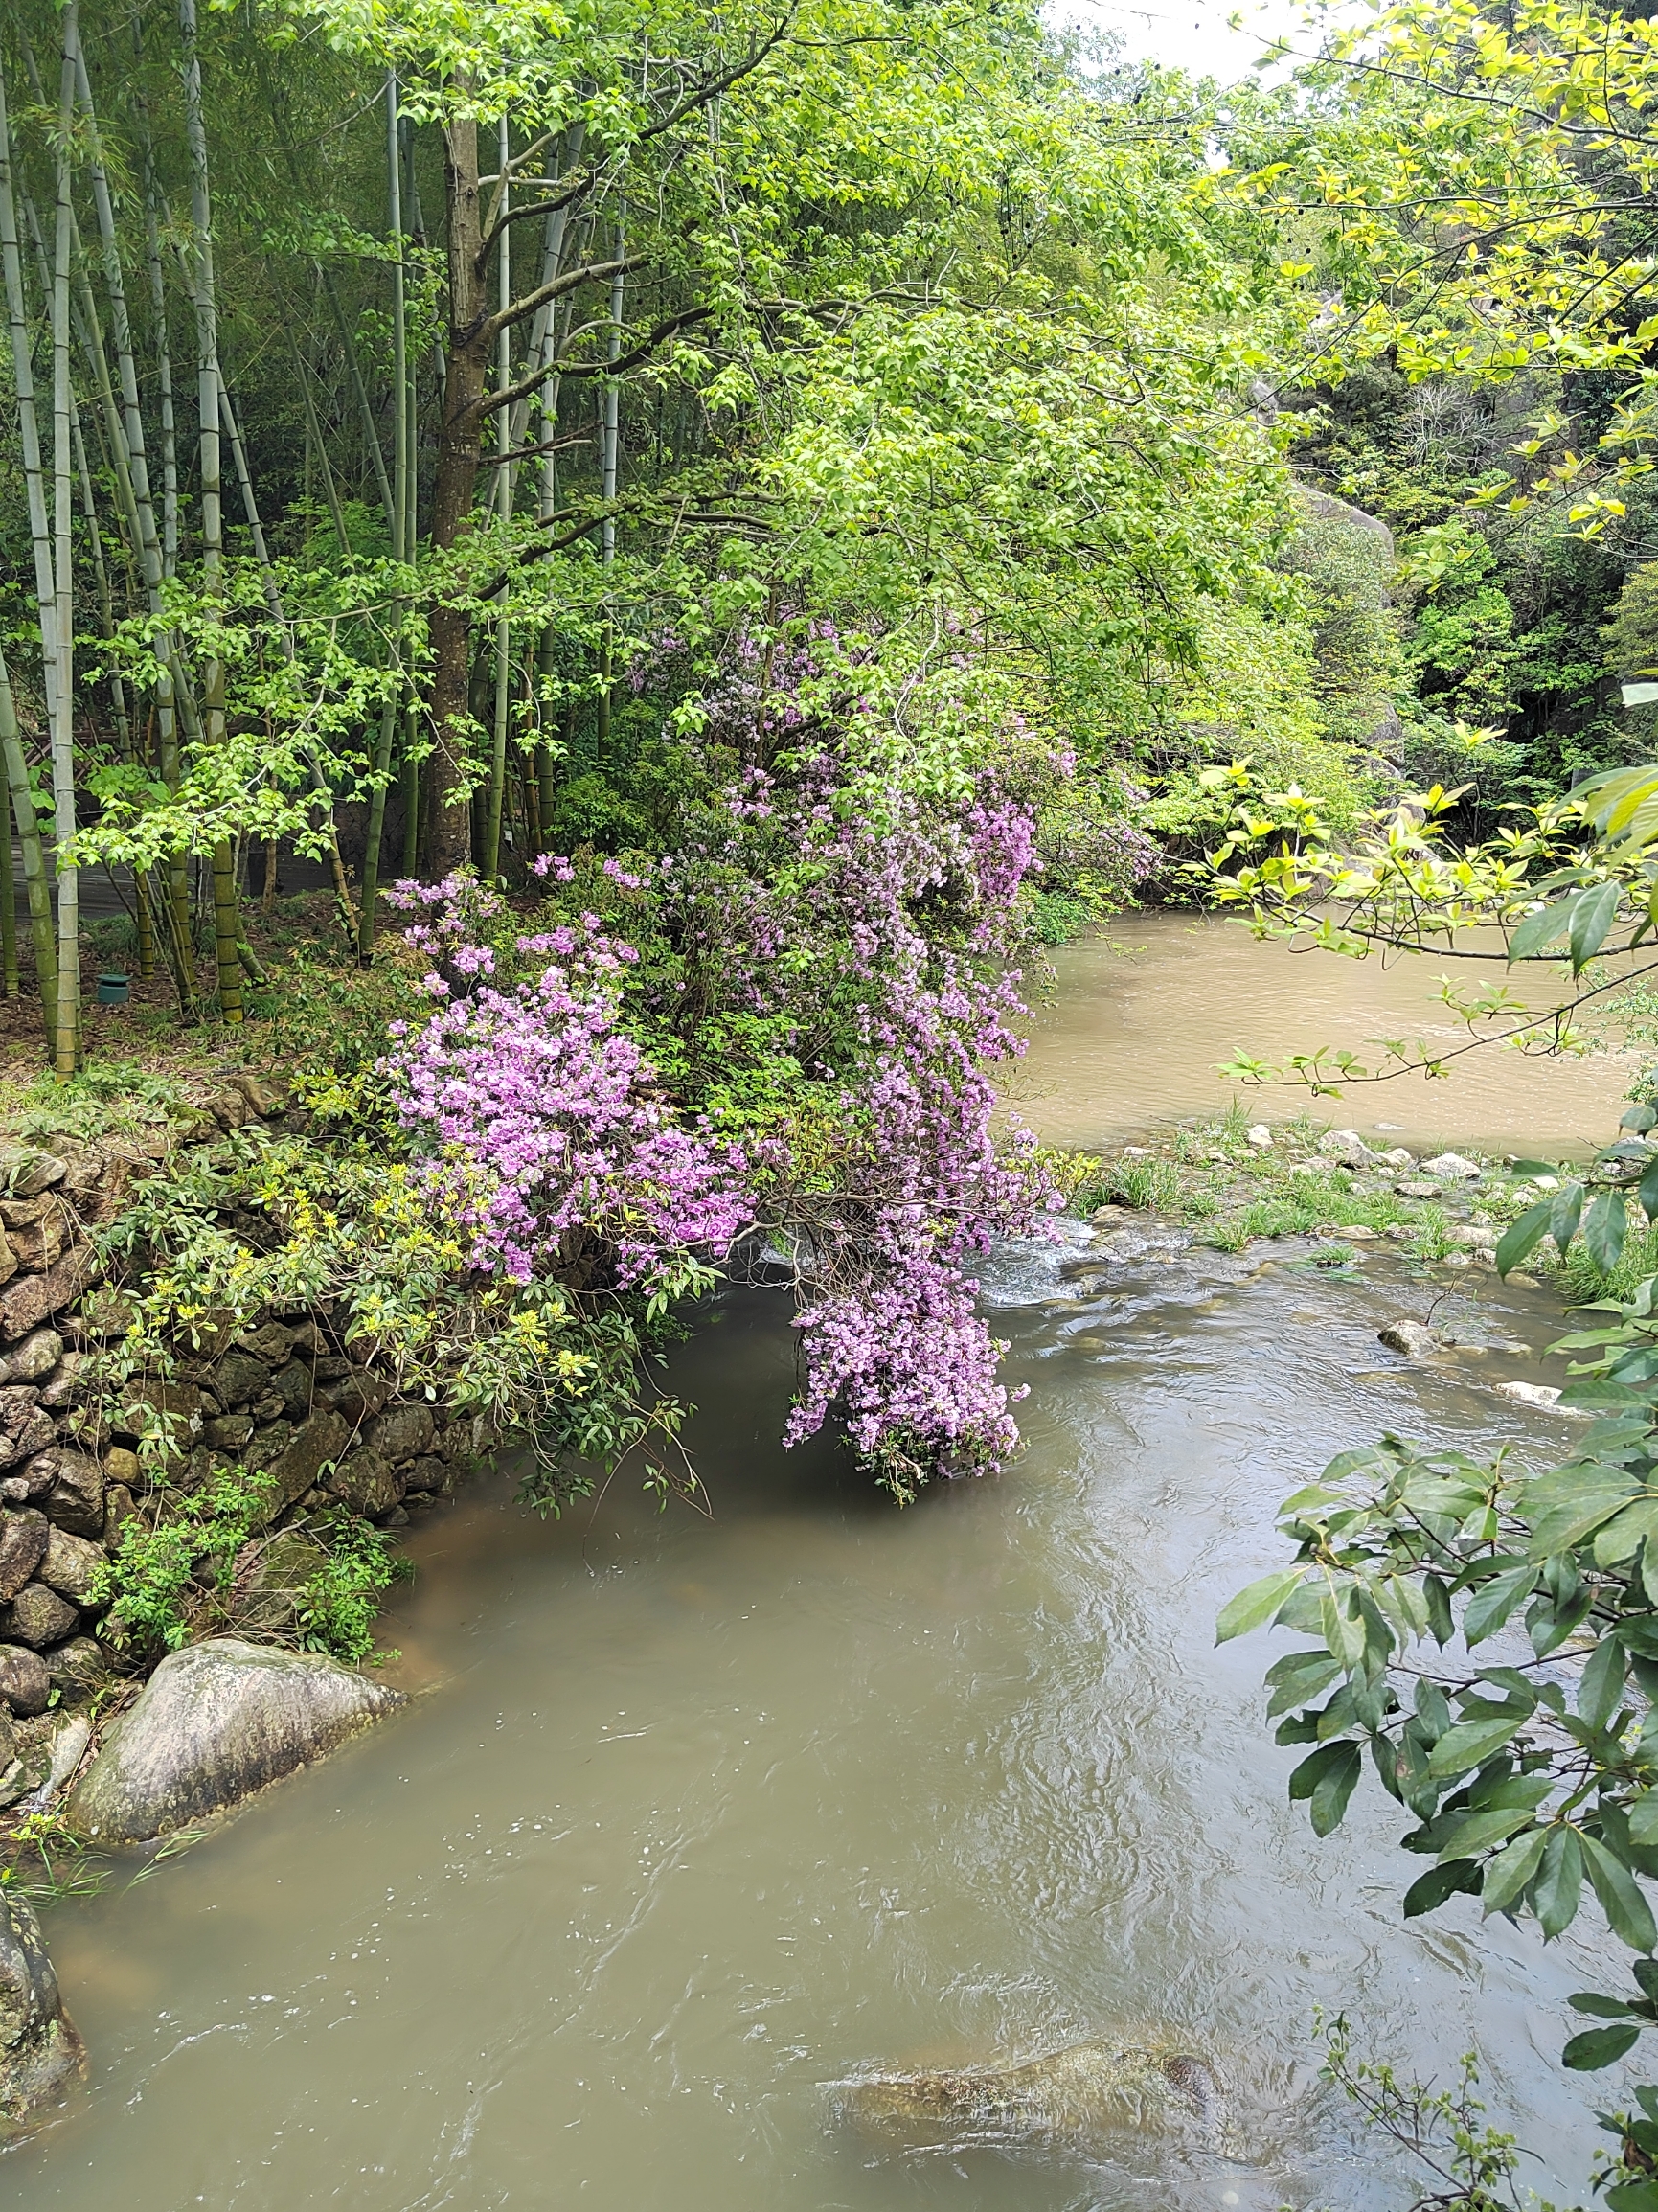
(698, 1815)
(1144, 1013)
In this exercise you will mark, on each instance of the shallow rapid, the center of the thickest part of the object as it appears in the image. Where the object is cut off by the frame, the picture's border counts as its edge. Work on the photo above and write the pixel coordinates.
(704, 1818)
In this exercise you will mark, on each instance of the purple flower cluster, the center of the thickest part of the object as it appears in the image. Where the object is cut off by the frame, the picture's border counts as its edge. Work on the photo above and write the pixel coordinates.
(862, 927)
(547, 1124)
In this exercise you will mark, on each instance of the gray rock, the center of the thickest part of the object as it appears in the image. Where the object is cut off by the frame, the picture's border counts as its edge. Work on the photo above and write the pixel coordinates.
(25, 1173)
(76, 1499)
(1411, 1337)
(229, 1432)
(1452, 1168)
(76, 1669)
(292, 1384)
(25, 1429)
(38, 1616)
(34, 1359)
(23, 1539)
(366, 1483)
(25, 1685)
(428, 1473)
(37, 1229)
(273, 1344)
(1417, 1187)
(63, 1385)
(324, 1436)
(34, 1298)
(238, 1380)
(41, 2053)
(213, 1723)
(402, 1432)
(1475, 1235)
(1543, 1396)
(71, 1565)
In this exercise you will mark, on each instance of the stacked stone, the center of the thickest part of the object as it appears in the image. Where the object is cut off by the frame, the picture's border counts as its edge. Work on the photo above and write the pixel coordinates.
(283, 1396)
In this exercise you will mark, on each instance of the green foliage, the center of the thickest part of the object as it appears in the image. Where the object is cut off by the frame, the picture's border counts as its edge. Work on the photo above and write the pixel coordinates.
(335, 1610)
(160, 1575)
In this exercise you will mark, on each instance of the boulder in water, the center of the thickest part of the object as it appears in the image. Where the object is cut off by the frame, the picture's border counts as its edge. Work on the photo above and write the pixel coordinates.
(213, 1723)
(1411, 1337)
(41, 2053)
(1074, 2095)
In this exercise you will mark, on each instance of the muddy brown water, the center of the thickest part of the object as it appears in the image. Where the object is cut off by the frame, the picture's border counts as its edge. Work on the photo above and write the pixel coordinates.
(700, 1815)
(1144, 1012)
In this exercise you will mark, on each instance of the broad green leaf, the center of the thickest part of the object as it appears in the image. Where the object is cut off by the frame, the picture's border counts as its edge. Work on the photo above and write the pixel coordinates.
(1593, 914)
(1564, 1215)
(1542, 928)
(1470, 1742)
(1603, 1682)
(1329, 1800)
(1481, 1831)
(1327, 1781)
(1633, 2197)
(1300, 1684)
(1648, 1192)
(1598, 2005)
(1511, 1869)
(1619, 1539)
(1257, 1604)
(1605, 1223)
(1597, 2047)
(1494, 1601)
(1521, 1238)
(1558, 1887)
(1437, 1592)
(1639, 1118)
(1628, 1911)
(1431, 1889)
(1598, 1498)
(1643, 1820)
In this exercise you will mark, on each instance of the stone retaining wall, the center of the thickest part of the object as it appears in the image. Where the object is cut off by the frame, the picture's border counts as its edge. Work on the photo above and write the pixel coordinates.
(284, 1397)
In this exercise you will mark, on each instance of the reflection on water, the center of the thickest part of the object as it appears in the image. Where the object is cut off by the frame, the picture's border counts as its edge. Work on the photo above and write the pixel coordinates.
(701, 1817)
(1146, 1010)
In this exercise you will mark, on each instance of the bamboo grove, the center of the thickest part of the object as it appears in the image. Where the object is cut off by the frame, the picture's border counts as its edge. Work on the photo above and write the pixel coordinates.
(392, 391)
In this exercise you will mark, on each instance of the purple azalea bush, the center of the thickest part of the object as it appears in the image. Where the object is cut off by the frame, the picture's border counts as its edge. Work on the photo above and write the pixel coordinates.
(780, 1031)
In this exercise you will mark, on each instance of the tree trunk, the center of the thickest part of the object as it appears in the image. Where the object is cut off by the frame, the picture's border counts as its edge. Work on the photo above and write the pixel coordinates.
(452, 496)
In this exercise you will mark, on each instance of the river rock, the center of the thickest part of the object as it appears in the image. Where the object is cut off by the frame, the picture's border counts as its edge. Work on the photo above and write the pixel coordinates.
(34, 1298)
(41, 2053)
(1543, 1396)
(76, 1669)
(1260, 1138)
(76, 1499)
(1347, 1149)
(1475, 1235)
(71, 1565)
(34, 1359)
(402, 1432)
(23, 1539)
(1412, 1338)
(215, 1723)
(25, 1685)
(324, 1436)
(24, 1427)
(38, 1616)
(366, 1483)
(239, 1378)
(1452, 1168)
(1417, 1187)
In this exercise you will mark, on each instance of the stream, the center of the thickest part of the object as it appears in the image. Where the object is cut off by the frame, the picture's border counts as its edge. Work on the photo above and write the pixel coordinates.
(701, 1813)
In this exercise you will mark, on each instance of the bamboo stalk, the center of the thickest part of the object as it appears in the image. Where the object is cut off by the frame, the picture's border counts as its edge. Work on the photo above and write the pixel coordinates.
(403, 521)
(34, 875)
(66, 1054)
(504, 501)
(227, 929)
